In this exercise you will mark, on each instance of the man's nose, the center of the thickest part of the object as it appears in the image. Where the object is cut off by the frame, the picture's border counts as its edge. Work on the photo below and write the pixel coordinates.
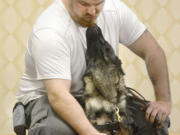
(92, 10)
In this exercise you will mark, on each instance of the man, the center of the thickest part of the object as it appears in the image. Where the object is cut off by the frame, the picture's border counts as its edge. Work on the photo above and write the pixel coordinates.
(55, 63)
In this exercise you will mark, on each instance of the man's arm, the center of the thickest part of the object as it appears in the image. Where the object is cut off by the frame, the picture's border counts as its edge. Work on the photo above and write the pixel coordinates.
(66, 106)
(148, 49)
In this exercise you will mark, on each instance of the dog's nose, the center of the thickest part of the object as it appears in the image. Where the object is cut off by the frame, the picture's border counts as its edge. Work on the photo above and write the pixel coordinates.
(95, 29)
(92, 31)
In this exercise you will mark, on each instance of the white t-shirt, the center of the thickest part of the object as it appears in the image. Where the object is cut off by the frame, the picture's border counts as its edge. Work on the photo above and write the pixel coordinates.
(56, 47)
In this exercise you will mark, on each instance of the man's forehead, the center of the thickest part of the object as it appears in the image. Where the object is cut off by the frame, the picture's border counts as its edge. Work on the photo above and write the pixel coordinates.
(92, 1)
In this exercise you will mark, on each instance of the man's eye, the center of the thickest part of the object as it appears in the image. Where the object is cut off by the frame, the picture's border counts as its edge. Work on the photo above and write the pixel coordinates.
(100, 3)
(84, 4)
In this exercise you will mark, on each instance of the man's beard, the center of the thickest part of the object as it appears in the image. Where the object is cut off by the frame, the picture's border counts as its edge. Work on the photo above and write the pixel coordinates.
(85, 21)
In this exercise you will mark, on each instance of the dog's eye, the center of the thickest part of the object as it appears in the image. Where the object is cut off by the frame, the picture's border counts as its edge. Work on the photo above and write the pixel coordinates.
(107, 50)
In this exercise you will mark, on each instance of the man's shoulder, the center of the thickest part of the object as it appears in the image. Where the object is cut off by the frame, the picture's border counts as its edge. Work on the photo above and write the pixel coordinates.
(54, 18)
(113, 5)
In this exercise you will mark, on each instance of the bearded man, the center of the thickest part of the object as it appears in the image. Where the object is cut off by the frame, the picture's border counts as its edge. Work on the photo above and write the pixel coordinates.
(55, 64)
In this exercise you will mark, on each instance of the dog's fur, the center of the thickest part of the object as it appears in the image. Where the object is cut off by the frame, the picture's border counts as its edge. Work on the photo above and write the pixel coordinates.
(104, 82)
(105, 88)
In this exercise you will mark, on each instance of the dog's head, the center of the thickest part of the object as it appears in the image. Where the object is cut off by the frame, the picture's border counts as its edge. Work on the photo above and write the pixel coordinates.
(103, 65)
(99, 48)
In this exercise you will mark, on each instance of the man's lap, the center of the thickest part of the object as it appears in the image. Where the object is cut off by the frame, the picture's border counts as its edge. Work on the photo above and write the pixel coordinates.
(44, 121)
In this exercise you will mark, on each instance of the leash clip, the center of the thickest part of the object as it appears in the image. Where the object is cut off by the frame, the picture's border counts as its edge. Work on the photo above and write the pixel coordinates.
(119, 118)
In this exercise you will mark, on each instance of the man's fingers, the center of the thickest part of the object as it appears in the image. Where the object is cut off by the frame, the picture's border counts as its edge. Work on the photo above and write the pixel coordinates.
(160, 119)
(159, 111)
(153, 115)
(163, 118)
(148, 112)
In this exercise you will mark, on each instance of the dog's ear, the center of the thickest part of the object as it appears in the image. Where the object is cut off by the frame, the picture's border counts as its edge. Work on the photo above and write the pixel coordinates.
(119, 63)
(107, 56)
(110, 57)
(107, 50)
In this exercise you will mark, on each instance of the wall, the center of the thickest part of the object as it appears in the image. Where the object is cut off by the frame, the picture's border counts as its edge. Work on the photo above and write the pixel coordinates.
(162, 17)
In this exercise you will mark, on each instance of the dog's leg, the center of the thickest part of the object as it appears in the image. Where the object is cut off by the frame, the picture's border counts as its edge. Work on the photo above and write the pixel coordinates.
(89, 86)
(92, 103)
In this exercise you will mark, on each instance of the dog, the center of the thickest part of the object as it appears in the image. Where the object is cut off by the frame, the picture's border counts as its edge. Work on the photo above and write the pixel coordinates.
(107, 99)
(105, 91)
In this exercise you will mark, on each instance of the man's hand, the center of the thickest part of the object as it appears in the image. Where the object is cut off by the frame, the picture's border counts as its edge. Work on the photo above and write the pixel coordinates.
(159, 109)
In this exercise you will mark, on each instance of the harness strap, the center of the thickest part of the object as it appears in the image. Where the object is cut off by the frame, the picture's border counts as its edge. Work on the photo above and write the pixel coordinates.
(108, 126)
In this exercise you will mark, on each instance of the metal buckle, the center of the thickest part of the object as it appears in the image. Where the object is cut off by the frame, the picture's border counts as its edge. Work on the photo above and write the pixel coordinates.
(118, 117)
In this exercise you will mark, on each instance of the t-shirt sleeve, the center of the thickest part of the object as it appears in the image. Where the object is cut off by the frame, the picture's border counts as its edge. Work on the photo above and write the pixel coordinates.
(131, 28)
(51, 55)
